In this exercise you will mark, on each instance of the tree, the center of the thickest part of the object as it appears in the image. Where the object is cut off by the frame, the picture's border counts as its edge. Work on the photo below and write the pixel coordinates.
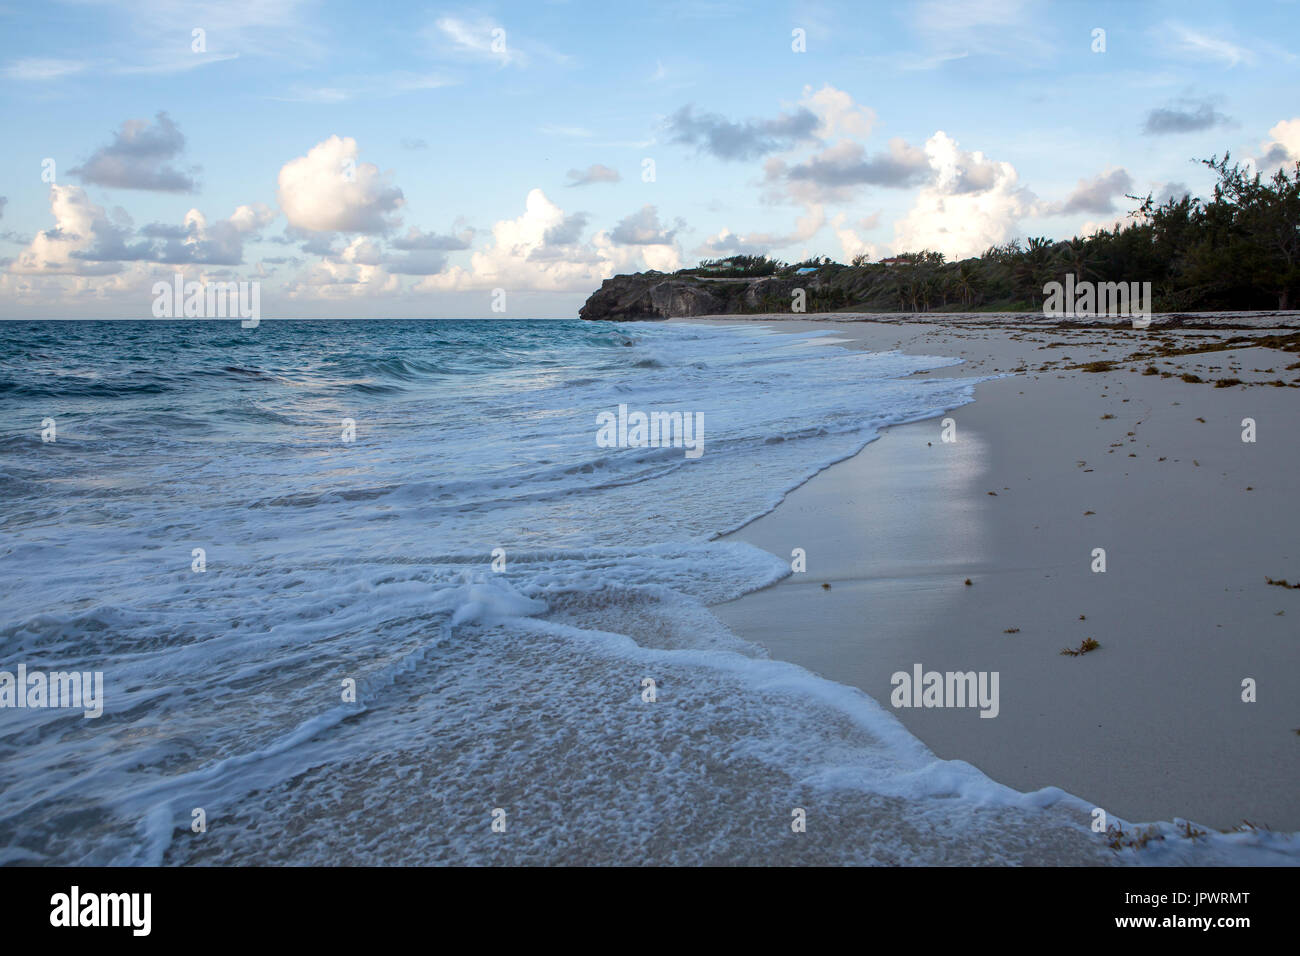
(964, 282)
(1032, 269)
(1259, 222)
(1075, 256)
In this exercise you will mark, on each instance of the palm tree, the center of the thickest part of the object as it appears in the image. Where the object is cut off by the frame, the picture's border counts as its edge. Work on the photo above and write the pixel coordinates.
(1032, 268)
(1075, 256)
(965, 283)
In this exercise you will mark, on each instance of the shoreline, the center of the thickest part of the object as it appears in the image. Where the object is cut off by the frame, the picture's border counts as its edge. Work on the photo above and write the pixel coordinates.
(1151, 726)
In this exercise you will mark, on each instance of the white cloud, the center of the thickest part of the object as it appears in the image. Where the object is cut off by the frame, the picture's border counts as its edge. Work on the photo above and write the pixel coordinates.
(289, 30)
(851, 244)
(839, 114)
(78, 223)
(86, 241)
(906, 61)
(1202, 46)
(1093, 226)
(247, 219)
(521, 258)
(1287, 133)
(957, 28)
(95, 263)
(329, 191)
(727, 243)
(1283, 147)
(354, 273)
(485, 39)
(951, 216)
(643, 228)
(841, 165)
(37, 69)
(198, 242)
(378, 86)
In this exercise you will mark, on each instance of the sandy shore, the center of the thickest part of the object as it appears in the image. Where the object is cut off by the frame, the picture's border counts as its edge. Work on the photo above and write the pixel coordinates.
(1050, 464)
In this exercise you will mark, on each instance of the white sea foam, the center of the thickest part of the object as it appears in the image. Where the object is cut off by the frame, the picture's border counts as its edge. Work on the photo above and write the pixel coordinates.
(371, 562)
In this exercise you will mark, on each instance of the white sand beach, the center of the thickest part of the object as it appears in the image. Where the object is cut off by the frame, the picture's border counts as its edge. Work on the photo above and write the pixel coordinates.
(1049, 464)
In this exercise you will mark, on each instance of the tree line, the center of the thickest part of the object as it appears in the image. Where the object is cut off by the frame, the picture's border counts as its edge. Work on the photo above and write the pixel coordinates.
(1237, 250)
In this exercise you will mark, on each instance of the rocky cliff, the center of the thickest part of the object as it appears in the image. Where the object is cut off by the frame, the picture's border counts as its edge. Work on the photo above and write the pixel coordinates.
(654, 295)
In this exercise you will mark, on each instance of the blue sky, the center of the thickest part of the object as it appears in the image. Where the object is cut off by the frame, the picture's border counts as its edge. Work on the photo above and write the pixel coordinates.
(395, 159)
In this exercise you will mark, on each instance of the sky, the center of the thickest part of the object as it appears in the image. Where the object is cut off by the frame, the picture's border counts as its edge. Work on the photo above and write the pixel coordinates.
(394, 159)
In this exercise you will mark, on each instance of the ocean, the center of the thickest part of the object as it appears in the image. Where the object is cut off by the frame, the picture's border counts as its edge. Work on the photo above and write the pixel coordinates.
(374, 592)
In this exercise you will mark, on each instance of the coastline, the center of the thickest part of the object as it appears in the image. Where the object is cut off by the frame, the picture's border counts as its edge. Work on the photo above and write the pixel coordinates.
(1151, 726)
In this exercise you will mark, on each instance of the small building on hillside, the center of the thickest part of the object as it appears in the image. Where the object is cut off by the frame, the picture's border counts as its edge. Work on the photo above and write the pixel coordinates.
(896, 261)
(805, 271)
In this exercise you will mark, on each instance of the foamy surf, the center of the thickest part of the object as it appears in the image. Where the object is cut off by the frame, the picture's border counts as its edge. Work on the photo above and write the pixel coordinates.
(514, 684)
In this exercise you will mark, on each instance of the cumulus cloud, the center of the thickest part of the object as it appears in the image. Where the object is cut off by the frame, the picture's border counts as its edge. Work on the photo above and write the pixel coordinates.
(368, 264)
(1098, 195)
(79, 225)
(329, 191)
(139, 157)
(728, 243)
(568, 232)
(200, 243)
(417, 240)
(1094, 226)
(1171, 191)
(363, 251)
(851, 244)
(838, 113)
(643, 228)
(320, 245)
(835, 170)
(86, 241)
(596, 173)
(533, 252)
(1283, 147)
(1185, 118)
(354, 272)
(715, 134)
(959, 221)
(1274, 155)
(423, 262)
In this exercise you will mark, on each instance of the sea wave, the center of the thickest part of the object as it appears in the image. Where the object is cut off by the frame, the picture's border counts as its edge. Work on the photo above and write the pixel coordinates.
(495, 585)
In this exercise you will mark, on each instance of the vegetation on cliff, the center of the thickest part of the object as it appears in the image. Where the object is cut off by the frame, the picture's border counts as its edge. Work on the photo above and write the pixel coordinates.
(1238, 250)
